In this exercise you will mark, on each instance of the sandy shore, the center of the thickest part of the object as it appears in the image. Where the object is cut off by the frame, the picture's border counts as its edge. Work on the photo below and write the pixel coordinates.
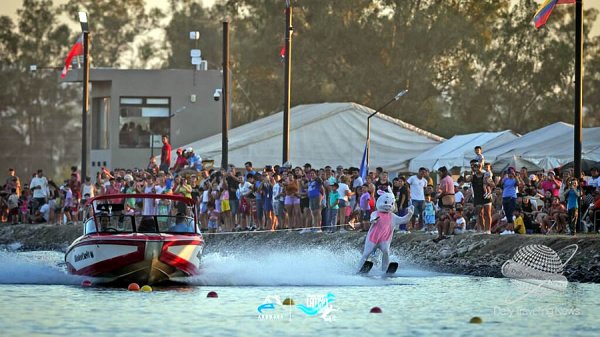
(480, 255)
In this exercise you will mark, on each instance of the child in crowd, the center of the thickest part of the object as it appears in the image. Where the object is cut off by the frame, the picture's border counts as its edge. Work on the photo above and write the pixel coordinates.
(487, 174)
(13, 206)
(479, 155)
(68, 207)
(128, 209)
(429, 214)
(139, 206)
(333, 206)
(572, 193)
(459, 225)
(365, 207)
(519, 222)
(213, 218)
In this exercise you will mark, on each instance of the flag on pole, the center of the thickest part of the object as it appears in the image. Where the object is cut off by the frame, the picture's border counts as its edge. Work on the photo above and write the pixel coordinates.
(75, 51)
(283, 53)
(543, 13)
(363, 165)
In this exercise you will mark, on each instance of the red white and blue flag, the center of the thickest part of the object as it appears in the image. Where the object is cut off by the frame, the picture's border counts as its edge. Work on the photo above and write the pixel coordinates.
(543, 13)
(75, 51)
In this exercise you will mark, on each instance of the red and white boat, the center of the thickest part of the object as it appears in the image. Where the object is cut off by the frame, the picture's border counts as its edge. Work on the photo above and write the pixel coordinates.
(119, 248)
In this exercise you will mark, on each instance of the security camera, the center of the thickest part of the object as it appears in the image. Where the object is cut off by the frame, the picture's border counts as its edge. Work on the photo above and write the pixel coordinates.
(217, 94)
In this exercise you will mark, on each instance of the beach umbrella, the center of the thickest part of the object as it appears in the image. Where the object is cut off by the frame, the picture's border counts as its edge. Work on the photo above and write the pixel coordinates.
(586, 165)
(517, 162)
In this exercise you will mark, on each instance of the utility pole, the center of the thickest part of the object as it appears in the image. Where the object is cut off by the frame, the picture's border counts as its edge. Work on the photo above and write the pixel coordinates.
(287, 79)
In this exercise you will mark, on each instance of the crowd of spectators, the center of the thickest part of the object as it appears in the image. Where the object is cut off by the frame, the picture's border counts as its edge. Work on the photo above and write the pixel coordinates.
(325, 199)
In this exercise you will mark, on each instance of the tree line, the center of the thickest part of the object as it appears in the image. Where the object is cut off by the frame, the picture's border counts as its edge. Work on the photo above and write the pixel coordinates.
(470, 66)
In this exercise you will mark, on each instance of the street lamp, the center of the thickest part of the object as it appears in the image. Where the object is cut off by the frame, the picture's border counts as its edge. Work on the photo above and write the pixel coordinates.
(85, 29)
(397, 97)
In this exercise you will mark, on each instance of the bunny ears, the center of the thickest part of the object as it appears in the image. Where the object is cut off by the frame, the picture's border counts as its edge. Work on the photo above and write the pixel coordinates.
(382, 192)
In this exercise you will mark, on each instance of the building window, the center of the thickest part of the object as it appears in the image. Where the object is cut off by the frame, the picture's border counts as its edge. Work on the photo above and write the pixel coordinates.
(143, 120)
(100, 132)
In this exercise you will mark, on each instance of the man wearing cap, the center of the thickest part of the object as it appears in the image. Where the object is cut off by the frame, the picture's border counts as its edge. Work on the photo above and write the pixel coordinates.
(165, 155)
(194, 160)
(180, 162)
(39, 186)
(307, 168)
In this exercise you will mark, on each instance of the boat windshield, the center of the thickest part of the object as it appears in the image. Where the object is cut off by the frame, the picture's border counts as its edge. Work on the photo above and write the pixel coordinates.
(141, 224)
(110, 223)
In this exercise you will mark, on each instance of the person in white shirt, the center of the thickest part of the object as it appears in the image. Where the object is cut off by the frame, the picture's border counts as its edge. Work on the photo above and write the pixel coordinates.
(459, 225)
(459, 197)
(278, 202)
(42, 215)
(417, 185)
(39, 186)
(595, 179)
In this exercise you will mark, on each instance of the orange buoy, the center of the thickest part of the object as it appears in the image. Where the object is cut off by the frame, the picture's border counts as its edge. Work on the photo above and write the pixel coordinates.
(133, 287)
(212, 294)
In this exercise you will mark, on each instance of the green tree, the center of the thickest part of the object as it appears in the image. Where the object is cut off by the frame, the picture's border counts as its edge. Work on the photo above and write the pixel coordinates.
(117, 27)
(39, 115)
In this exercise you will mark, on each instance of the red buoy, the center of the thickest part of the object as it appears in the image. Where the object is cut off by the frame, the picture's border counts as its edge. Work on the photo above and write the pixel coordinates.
(212, 294)
(133, 287)
(376, 310)
(86, 283)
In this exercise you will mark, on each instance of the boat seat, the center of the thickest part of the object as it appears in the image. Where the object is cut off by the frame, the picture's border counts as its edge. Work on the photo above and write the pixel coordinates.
(147, 225)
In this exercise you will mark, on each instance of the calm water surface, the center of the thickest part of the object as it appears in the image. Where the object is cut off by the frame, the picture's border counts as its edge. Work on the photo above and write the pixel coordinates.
(38, 298)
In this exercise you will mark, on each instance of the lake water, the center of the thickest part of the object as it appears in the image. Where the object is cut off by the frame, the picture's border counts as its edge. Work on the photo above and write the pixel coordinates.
(39, 298)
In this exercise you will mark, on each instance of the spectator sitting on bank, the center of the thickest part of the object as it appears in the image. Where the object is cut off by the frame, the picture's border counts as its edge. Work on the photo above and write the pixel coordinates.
(459, 225)
(42, 214)
(519, 227)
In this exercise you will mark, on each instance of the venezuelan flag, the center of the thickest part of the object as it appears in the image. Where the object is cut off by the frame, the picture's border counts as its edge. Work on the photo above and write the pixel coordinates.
(542, 14)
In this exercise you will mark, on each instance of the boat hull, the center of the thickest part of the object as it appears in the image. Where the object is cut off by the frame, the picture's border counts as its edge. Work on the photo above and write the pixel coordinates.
(135, 258)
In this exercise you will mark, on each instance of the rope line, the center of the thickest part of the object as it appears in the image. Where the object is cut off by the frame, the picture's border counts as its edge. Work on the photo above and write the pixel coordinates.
(257, 231)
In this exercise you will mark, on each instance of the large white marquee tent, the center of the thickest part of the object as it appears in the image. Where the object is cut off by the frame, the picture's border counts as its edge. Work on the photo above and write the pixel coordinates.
(322, 134)
(549, 147)
(459, 150)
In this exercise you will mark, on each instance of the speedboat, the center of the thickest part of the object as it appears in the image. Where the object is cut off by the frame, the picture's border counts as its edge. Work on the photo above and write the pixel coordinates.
(120, 247)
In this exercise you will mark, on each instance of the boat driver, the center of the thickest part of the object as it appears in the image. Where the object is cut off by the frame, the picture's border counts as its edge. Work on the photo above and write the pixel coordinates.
(104, 222)
(181, 224)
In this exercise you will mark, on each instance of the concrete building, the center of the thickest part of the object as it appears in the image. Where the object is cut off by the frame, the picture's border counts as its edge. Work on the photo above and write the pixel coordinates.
(131, 109)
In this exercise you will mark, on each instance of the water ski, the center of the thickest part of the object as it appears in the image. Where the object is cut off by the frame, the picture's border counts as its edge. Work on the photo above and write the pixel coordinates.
(366, 267)
(391, 269)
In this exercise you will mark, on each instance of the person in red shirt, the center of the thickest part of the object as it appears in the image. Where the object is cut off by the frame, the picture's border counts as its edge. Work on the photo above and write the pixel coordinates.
(165, 155)
(551, 184)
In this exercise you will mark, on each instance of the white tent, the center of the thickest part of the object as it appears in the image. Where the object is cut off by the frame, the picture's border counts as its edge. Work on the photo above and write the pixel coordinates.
(459, 150)
(550, 146)
(322, 134)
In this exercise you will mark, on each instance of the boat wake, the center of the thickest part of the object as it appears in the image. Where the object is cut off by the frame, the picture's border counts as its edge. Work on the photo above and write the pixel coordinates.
(241, 267)
(295, 267)
(35, 268)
